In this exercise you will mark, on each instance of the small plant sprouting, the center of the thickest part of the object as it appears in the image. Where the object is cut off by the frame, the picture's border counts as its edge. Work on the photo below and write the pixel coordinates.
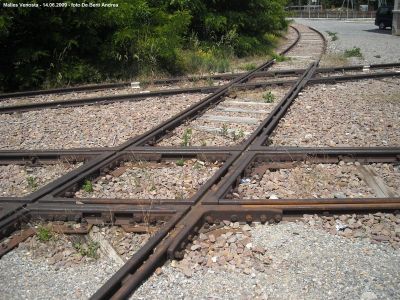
(180, 162)
(268, 97)
(88, 249)
(92, 249)
(237, 135)
(210, 81)
(44, 234)
(279, 58)
(32, 182)
(224, 130)
(333, 35)
(180, 195)
(87, 186)
(354, 52)
(187, 136)
(197, 166)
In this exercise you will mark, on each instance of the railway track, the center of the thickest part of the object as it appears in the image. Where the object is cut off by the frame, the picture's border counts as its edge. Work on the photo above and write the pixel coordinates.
(263, 78)
(234, 161)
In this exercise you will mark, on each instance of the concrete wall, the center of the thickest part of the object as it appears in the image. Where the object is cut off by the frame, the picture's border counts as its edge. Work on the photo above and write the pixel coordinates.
(396, 18)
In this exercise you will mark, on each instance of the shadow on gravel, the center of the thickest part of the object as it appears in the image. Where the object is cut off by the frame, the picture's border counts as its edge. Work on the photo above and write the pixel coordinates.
(384, 31)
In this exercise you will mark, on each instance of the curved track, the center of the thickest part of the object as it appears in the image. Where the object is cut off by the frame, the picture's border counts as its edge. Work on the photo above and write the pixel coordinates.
(309, 48)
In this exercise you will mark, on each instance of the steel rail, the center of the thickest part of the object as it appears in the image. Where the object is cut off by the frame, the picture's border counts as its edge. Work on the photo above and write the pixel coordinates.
(323, 80)
(105, 99)
(61, 193)
(186, 219)
(206, 89)
(227, 76)
(208, 215)
(224, 76)
(328, 151)
(118, 98)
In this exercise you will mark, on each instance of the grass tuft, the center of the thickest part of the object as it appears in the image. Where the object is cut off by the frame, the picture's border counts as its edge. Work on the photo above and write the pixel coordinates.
(249, 66)
(354, 52)
(32, 182)
(268, 97)
(87, 186)
(187, 136)
(333, 35)
(180, 162)
(224, 130)
(44, 234)
(279, 58)
(238, 135)
(88, 249)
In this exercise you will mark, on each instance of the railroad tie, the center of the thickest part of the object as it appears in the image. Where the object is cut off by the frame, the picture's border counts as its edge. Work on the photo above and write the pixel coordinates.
(240, 110)
(375, 182)
(234, 102)
(219, 118)
(217, 129)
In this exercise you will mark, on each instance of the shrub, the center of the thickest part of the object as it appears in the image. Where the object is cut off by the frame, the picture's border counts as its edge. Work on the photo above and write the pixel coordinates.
(62, 46)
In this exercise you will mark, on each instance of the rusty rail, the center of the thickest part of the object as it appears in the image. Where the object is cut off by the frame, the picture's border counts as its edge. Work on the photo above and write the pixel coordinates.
(209, 206)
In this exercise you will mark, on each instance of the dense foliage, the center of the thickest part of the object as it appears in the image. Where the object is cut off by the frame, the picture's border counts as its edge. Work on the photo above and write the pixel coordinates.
(42, 47)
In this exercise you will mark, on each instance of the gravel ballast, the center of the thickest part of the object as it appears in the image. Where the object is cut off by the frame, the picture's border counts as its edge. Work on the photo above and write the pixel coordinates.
(20, 180)
(89, 126)
(294, 261)
(125, 243)
(66, 96)
(23, 278)
(351, 114)
(305, 180)
(54, 265)
(178, 179)
(106, 92)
